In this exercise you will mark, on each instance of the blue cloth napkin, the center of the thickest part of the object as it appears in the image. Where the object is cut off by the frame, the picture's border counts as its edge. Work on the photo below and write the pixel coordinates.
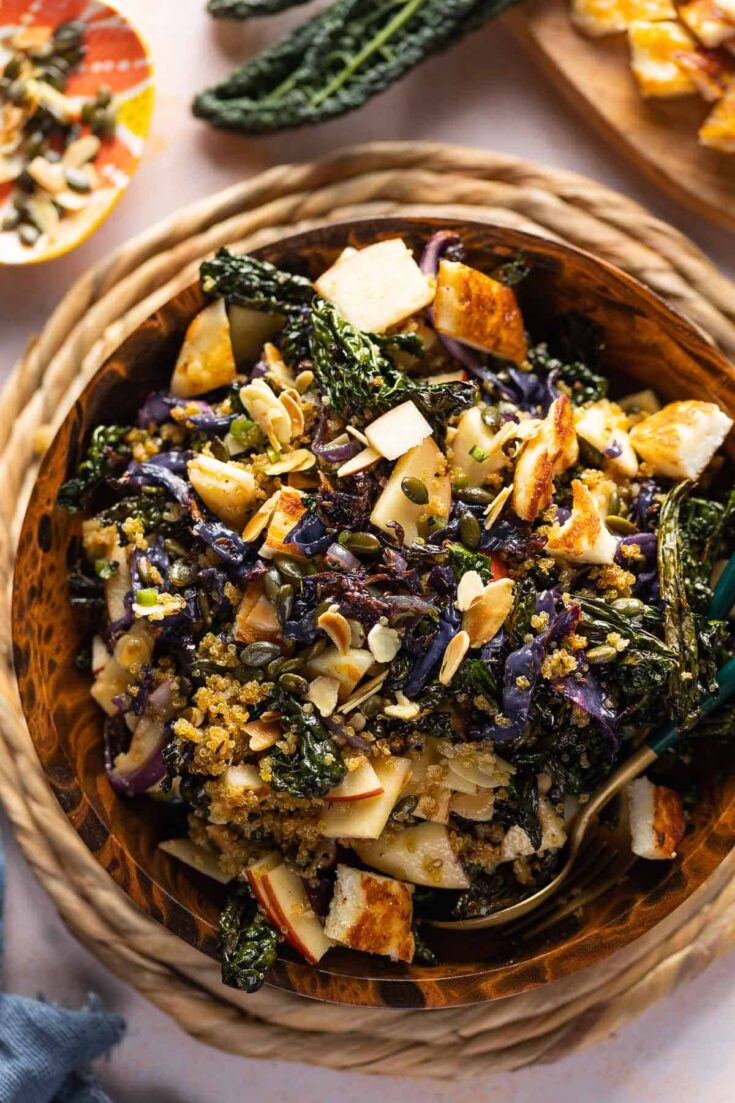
(44, 1049)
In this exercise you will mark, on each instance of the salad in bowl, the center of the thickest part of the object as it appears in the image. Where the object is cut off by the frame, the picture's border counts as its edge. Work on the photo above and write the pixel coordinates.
(386, 586)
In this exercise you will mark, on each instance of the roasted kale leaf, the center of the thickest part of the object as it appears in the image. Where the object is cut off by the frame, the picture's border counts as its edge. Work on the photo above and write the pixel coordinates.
(249, 943)
(315, 766)
(105, 456)
(246, 9)
(254, 283)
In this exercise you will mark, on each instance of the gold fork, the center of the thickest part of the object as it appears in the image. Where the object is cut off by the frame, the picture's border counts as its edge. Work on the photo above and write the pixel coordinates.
(647, 753)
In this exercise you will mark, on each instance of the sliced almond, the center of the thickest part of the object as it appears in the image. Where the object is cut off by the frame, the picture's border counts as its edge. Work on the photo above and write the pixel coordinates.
(337, 628)
(291, 401)
(261, 519)
(44, 213)
(364, 693)
(304, 380)
(263, 733)
(487, 614)
(301, 459)
(278, 369)
(495, 508)
(384, 643)
(403, 709)
(455, 652)
(357, 434)
(47, 176)
(323, 693)
(71, 201)
(360, 462)
(10, 167)
(267, 412)
(81, 151)
(470, 588)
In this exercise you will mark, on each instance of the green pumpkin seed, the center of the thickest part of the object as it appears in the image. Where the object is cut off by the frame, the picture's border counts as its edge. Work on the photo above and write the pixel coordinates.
(11, 220)
(104, 96)
(491, 417)
(602, 654)
(415, 490)
(182, 573)
(372, 706)
(260, 653)
(272, 584)
(78, 181)
(613, 508)
(628, 606)
(475, 496)
(294, 683)
(28, 234)
(249, 674)
(284, 603)
(293, 666)
(18, 92)
(362, 543)
(620, 525)
(469, 530)
(288, 567)
(69, 34)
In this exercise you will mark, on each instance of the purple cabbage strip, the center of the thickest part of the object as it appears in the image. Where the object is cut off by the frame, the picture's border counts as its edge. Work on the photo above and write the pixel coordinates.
(585, 691)
(173, 461)
(338, 556)
(310, 535)
(225, 543)
(435, 249)
(352, 740)
(423, 665)
(613, 450)
(149, 474)
(645, 506)
(212, 423)
(156, 408)
(647, 581)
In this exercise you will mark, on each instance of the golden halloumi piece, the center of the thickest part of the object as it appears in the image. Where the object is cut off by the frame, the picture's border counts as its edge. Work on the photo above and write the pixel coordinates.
(517, 844)
(479, 311)
(206, 360)
(681, 439)
(372, 913)
(289, 509)
(711, 70)
(653, 47)
(707, 20)
(602, 17)
(550, 451)
(584, 538)
(718, 129)
(657, 822)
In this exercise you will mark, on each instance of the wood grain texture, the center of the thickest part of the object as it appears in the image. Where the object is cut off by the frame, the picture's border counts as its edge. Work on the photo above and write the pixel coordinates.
(658, 136)
(657, 347)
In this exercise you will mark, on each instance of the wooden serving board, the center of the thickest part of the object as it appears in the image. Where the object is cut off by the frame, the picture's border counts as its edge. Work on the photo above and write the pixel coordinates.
(658, 136)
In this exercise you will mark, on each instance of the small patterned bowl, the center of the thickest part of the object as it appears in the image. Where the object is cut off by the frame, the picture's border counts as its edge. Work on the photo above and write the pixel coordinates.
(116, 56)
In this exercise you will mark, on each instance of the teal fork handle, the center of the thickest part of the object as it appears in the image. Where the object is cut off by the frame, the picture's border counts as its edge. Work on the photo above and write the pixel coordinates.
(667, 736)
(723, 598)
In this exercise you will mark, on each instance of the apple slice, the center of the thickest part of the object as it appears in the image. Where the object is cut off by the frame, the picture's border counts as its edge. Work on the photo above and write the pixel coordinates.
(202, 860)
(359, 784)
(365, 819)
(422, 855)
(457, 784)
(287, 906)
(249, 331)
(262, 735)
(257, 871)
(244, 777)
(360, 462)
(347, 669)
(426, 462)
(400, 429)
(471, 772)
(479, 807)
(206, 360)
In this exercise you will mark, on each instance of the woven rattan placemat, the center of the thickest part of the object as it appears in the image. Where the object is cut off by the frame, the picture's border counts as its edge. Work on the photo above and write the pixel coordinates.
(101, 309)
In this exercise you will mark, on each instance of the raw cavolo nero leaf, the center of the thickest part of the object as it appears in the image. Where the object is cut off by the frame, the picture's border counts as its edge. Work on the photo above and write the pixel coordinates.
(680, 626)
(106, 453)
(336, 61)
(246, 9)
(249, 943)
(315, 765)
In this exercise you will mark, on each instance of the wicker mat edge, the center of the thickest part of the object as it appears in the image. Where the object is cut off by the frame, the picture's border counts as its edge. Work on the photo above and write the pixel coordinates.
(98, 311)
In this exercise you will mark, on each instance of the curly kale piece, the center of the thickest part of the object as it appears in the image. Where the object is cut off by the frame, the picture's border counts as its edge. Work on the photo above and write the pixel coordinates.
(246, 9)
(106, 454)
(315, 766)
(358, 379)
(254, 283)
(336, 61)
(248, 941)
(680, 624)
(704, 527)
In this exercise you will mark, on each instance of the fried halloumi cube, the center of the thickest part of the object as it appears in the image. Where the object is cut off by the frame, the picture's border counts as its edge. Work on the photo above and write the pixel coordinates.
(601, 17)
(718, 129)
(584, 538)
(707, 20)
(657, 823)
(605, 426)
(206, 359)
(377, 287)
(372, 913)
(711, 70)
(550, 451)
(652, 48)
(479, 311)
(681, 439)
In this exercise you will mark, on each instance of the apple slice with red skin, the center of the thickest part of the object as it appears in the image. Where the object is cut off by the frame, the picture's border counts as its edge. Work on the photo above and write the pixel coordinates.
(286, 904)
(360, 784)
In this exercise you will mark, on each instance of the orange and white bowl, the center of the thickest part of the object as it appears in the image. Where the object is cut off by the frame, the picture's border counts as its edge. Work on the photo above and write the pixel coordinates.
(116, 56)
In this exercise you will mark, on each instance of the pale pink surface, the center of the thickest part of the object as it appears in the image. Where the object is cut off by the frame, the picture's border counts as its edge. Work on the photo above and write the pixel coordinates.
(483, 94)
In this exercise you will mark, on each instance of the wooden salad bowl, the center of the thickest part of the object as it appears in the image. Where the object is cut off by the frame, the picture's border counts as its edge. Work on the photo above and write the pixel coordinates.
(657, 347)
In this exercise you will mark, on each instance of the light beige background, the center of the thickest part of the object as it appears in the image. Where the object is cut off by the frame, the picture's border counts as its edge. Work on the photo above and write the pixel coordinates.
(484, 93)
